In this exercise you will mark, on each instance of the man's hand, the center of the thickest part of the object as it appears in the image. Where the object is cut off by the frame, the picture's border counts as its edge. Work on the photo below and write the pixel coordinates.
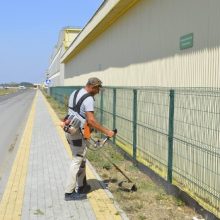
(62, 124)
(110, 133)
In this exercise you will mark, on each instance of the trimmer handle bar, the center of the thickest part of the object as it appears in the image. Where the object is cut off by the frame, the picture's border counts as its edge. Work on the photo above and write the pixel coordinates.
(95, 145)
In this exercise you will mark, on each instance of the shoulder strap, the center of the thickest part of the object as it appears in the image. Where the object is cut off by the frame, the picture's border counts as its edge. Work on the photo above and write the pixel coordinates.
(74, 98)
(76, 106)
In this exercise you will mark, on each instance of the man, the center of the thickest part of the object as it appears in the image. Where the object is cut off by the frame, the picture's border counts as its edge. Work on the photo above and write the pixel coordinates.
(76, 177)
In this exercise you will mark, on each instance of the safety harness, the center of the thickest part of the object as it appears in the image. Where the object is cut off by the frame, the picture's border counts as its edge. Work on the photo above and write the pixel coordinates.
(76, 106)
(76, 121)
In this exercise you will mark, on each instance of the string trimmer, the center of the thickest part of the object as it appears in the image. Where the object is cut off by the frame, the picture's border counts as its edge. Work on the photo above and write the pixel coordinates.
(126, 185)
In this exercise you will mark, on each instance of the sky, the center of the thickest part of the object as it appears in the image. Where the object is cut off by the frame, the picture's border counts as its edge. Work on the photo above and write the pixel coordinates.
(29, 31)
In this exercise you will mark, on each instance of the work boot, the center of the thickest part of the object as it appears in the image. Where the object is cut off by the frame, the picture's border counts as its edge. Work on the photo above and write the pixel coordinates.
(74, 196)
(84, 189)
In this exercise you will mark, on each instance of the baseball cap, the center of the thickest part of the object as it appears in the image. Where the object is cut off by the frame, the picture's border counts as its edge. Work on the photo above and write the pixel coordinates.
(94, 81)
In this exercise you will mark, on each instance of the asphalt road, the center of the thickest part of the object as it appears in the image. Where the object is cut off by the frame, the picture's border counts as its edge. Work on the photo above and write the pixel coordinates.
(14, 110)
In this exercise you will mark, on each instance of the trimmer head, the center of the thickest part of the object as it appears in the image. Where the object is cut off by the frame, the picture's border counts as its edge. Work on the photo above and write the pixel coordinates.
(127, 186)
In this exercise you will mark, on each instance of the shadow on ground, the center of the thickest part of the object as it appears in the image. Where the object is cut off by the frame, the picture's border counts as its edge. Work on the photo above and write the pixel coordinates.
(96, 184)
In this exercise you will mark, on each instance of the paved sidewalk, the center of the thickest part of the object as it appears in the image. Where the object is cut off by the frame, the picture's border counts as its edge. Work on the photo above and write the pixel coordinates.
(35, 188)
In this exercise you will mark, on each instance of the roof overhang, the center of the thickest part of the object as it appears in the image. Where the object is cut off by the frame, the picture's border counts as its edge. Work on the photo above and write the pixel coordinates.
(104, 17)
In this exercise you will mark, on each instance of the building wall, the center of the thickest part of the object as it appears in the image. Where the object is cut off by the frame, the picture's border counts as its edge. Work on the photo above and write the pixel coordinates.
(142, 47)
(55, 70)
(69, 36)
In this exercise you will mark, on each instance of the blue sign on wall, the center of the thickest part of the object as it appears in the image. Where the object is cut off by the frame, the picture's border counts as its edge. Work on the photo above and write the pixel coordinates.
(48, 81)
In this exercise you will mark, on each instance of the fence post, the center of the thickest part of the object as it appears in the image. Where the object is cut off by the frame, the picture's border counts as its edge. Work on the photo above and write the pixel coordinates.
(114, 111)
(49, 91)
(134, 124)
(101, 108)
(170, 138)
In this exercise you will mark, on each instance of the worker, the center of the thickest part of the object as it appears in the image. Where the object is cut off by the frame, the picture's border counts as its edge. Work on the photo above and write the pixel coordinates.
(81, 103)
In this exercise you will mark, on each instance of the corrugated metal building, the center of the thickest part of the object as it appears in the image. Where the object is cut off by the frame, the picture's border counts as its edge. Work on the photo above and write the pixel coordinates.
(170, 43)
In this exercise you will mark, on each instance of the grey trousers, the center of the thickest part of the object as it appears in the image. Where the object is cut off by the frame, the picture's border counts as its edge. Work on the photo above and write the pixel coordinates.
(76, 174)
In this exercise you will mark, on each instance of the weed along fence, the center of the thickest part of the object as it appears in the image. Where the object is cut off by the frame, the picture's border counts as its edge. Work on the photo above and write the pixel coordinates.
(174, 132)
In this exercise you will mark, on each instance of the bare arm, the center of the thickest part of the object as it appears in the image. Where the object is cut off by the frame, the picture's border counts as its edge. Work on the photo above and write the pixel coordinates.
(93, 123)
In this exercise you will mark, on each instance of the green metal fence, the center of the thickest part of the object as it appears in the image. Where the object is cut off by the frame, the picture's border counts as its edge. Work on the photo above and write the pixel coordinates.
(61, 94)
(175, 132)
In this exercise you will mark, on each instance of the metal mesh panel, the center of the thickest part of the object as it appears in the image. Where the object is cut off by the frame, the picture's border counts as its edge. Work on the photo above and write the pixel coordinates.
(124, 116)
(152, 128)
(108, 108)
(196, 155)
(61, 94)
(98, 107)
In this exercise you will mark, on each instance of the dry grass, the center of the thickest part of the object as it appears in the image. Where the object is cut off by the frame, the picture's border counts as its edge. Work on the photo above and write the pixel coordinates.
(7, 91)
(149, 202)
